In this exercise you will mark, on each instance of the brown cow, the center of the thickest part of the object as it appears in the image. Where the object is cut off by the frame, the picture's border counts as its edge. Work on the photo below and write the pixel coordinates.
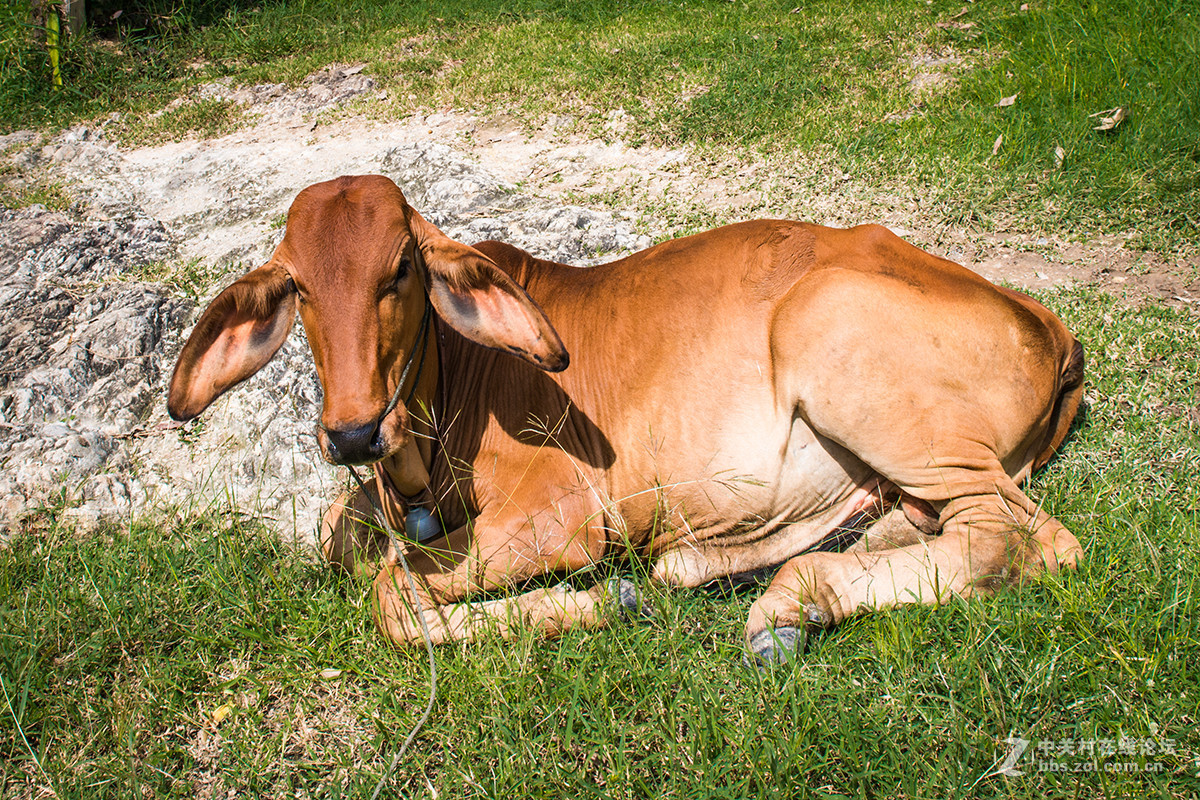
(734, 400)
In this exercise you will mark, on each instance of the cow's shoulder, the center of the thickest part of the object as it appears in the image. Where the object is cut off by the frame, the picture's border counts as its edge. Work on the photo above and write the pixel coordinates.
(783, 252)
(513, 260)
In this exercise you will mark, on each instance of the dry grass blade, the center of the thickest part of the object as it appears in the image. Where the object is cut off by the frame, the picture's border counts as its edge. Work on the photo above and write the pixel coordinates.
(1109, 119)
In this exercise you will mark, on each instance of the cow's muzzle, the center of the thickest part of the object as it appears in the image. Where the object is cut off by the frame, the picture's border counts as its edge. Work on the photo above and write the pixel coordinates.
(362, 445)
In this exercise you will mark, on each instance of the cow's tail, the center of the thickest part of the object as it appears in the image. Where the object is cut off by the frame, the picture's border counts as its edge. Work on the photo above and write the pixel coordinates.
(1070, 394)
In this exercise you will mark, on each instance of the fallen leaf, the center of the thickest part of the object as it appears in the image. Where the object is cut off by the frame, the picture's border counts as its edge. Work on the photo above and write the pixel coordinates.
(1005, 102)
(1059, 155)
(221, 712)
(1024, 6)
(958, 26)
(1110, 119)
(996, 146)
(353, 70)
(330, 674)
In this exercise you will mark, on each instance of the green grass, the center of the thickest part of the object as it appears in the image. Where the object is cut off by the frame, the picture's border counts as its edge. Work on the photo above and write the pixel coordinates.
(824, 84)
(51, 194)
(118, 647)
(204, 118)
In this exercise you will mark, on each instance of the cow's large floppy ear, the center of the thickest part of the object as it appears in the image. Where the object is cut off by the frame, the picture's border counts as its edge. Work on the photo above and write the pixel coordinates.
(236, 335)
(481, 302)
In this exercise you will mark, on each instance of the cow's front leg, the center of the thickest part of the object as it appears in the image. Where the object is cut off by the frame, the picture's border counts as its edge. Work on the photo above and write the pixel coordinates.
(350, 537)
(499, 551)
(546, 612)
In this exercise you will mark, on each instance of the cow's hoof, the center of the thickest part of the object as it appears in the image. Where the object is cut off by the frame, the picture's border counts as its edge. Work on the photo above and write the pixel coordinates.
(817, 617)
(774, 646)
(628, 600)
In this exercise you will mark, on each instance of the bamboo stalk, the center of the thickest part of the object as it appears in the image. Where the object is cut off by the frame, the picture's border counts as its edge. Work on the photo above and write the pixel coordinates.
(52, 45)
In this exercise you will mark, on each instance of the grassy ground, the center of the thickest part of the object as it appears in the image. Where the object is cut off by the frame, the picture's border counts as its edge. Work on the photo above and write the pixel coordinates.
(181, 658)
(846, 84)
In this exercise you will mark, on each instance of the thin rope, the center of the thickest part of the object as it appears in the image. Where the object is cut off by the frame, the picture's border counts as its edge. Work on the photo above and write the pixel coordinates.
(422, 341)
(412, 585)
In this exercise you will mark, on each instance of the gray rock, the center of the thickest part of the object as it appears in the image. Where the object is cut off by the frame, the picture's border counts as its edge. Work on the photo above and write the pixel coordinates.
(18, 139)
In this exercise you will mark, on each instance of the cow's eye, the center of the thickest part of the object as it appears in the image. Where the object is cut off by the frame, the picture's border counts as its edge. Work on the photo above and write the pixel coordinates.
(290, 287)
(392, 286)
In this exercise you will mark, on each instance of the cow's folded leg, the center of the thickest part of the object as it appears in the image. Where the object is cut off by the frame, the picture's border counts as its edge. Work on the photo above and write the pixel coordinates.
(696, 562)
(546, 612)
(987, 540)
(894, 529)
(499, 552)
(350, 537)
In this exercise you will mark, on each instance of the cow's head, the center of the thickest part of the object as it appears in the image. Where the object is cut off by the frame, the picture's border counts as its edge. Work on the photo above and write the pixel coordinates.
(358, 262)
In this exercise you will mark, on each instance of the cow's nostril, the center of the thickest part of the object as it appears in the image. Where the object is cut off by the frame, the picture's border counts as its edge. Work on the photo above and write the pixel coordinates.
(355, 445)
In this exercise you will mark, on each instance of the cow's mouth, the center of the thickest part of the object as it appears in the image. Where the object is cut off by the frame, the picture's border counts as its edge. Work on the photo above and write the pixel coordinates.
(356, 446)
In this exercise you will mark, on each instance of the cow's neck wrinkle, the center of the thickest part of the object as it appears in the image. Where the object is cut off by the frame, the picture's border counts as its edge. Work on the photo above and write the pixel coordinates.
(409, 469)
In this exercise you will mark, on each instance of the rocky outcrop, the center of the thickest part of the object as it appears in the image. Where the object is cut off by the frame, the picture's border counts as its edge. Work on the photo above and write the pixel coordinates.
(81, 339)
